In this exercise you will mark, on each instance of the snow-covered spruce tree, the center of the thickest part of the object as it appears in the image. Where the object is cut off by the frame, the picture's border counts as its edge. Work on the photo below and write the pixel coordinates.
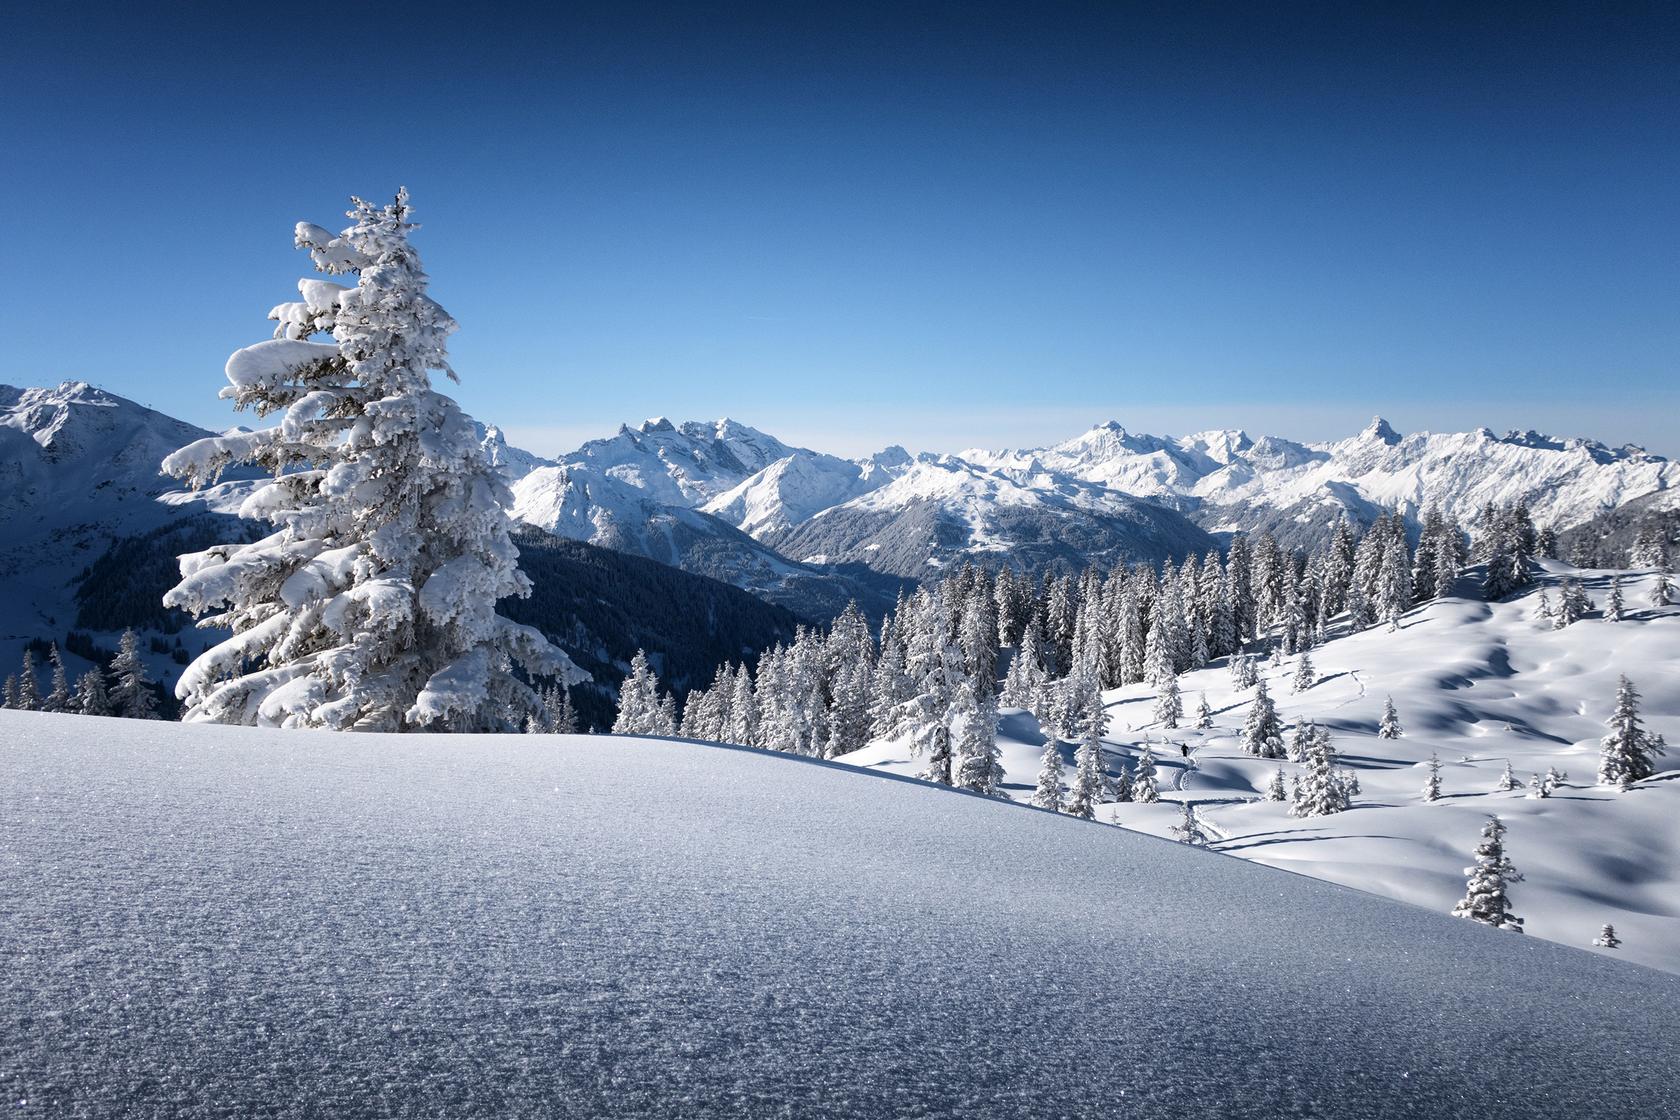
(1485, 898)
(1275, 789)
(974, 737)
(1305, 675)
(1613, 601)
(1573, 604)
(1204, 714)
(563, 717)
(58, 700)
(641, 708)
(1389, 726)
(90, 698)
(1432, 784)
(1607, 938)
(131, 690)
(28, 690)
(1088, 776)
(1024, 679)
(1662, 588)
(1508, 780)
(372, 605)
(1051, 789)
(743, 710)
(13, 694)
(1323, 790)
(1624, 755)
(1650, 545)
(1169, 704)
(1243, 671)
(1262, 734)
(1189, 829)
(1543, 606)
(1143, 777)
(1300, 743)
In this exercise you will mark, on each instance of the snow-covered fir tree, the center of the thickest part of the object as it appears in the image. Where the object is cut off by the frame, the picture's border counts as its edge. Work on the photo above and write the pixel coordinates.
(1625, 754)
(1662, 588)
(1305, 674)
(1088, 777)
(28, 689)
(1432, 784)
(1389, 726)
(1323, 790)
(1025, 679)
(58, 698)
(1275, 789)
(1573, 604)
(1650, 546)
(1262, 734)
(642, 710)
(372, 604)
(1189, 828)
(12, 694)
(1485, 899)
(1051, 790)
(562, 716)
(1300, 743)
(1543, 606)
(1613, 601)
(1244, 673)
(1607, 938)
(979, 768)
(1508, 780)
(1143, 777)
(91, 698)
(1204, 714)
(1169, 704)
(131, 688)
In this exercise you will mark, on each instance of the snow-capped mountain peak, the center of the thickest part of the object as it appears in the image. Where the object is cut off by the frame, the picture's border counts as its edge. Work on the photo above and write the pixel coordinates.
(1380, 430)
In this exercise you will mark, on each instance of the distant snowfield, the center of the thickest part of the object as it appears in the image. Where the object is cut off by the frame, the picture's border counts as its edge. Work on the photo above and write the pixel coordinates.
(1479, 684)
(200, 921)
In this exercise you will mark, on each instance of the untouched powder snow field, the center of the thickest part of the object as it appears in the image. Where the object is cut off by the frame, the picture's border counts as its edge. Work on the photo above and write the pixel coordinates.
(1476, 683)
(201, 921)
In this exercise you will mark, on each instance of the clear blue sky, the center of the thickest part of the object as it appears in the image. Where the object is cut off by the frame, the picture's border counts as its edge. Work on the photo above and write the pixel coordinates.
(939, 225)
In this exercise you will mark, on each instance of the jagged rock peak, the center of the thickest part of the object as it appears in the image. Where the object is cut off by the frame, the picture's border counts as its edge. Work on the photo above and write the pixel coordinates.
(1381, 429)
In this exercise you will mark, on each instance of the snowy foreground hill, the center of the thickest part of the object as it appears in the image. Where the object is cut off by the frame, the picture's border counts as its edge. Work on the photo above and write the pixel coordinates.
(1480, 685)
(202, 921)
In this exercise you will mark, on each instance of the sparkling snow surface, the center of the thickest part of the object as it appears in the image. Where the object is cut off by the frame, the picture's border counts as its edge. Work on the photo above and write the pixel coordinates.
(200, 921)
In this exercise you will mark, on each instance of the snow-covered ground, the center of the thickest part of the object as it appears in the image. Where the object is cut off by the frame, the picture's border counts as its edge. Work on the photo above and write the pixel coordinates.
(1478, 684)
(201, 921)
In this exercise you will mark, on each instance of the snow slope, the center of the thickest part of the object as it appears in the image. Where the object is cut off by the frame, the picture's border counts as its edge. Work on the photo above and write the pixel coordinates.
(1479, 684)
(205, 921)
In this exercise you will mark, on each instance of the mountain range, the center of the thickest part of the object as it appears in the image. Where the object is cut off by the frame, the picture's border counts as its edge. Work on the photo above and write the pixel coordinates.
(693, 494)
(809, 531)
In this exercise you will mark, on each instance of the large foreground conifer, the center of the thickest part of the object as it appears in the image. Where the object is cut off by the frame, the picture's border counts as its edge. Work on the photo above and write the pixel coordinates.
(372, 604)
